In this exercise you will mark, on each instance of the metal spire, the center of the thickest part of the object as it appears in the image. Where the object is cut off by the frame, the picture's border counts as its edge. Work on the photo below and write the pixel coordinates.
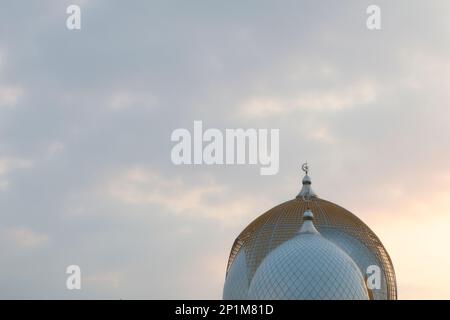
(306, 193)
(308, 224)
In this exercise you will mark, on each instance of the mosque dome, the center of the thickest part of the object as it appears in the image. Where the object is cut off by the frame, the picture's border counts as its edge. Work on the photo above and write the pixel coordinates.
(308, 267)
(275, 233)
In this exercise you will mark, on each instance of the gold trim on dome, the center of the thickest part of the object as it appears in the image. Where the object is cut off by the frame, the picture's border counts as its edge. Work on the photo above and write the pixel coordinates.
(282, 222)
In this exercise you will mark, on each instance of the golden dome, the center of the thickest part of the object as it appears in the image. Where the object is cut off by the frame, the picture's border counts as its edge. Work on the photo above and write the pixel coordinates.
(335, 223)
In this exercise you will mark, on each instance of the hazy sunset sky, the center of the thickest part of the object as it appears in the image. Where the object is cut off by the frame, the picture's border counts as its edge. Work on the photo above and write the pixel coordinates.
(86, 117)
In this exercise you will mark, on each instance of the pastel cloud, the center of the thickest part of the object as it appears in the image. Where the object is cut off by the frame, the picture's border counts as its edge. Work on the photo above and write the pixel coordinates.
(86, 118)
(8, 165)
(9, 95)
(327, 100)
(140, 186)
(24, 238)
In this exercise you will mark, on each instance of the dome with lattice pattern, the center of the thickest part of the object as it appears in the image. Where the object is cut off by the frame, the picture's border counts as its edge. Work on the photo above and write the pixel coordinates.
(308, 267)
(281, 224)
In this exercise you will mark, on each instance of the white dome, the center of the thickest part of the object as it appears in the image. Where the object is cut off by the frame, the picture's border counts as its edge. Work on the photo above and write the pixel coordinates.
(308, 267)
(237, 283)
(271, 230)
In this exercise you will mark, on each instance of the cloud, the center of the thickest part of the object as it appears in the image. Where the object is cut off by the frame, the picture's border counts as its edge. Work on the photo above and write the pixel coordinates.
(124, 100)
(55, 147)
(9, 96)
(24, 238)
(355, 95)
(139, 186)
(103, 281)
(8, 165)
(86, 119)
(262, 107)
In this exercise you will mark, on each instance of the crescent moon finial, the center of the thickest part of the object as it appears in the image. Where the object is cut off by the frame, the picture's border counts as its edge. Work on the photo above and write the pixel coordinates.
(305, 167)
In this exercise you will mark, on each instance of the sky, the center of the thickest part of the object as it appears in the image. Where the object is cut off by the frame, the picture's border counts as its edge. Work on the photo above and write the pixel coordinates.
(86, 117)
